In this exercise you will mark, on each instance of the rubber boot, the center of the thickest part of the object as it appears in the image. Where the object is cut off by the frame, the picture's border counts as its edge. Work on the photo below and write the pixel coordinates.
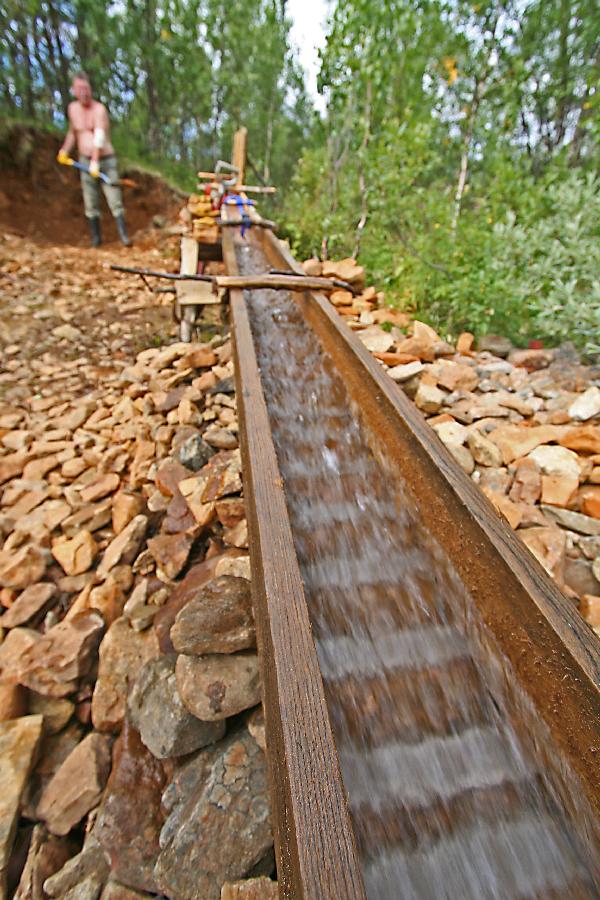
(123, 231)
(95, 233)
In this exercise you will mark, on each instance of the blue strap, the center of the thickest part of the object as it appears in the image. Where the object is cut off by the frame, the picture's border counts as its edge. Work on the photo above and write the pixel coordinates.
(241, 205)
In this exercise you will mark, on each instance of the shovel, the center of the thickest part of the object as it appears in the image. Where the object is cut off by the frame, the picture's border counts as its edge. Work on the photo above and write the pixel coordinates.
(121, 182)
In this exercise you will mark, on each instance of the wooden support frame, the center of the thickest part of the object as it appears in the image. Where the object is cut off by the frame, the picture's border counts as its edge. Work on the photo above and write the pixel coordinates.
(238, 156)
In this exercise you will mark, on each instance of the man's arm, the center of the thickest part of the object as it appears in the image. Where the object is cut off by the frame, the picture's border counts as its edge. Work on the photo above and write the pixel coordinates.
(69, 141)
(100, 131)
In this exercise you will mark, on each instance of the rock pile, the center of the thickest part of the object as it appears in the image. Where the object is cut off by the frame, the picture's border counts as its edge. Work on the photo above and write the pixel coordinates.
(523, 424)
(128, 660)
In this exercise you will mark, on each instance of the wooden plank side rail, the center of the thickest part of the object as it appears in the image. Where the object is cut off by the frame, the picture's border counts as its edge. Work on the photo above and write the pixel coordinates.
(314, 841)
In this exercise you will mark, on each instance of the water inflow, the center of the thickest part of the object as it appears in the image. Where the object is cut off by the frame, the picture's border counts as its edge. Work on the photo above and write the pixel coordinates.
(445, 802)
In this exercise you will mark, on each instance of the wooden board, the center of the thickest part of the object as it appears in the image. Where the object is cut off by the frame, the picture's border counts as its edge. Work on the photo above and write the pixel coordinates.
(314, 841)
(238, 156)
(192, 293)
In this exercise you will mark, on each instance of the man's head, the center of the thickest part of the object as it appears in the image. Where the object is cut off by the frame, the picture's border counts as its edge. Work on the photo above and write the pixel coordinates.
(82, 89)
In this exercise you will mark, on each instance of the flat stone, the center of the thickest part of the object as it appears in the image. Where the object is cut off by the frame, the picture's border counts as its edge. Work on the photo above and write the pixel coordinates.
(53, 751)
(165, 724)
(554, 460)
(12, 465)
(55, 710)
(102, 486)
(496, 344)
(586, 406)
(250, 889)
(46, 855)
(454, 376)
(589, 504)
(463, 457)
(57, 660)
(548, 545)
(22, 567)
(187, 590)
(589, 608)
(218, 620)
(168, 476)
(171, 551)
(515, 441)
(125, 546)
(19, 741)
(527, 482)
(579, 576)
(220, 438)
(584, 439)
(129, 832)
(218, 824)
(13, 698)
(257, 727)
(509, 510)
(83, 876)
(123, 652)
(429, 398)
(574, 521)
(483, 450)
(13, 647)
(236, 565)
(559, 490)
(215, 687)
(33, 600)
(125, 507)
(77, 555)
(194, 453)
(77, 786)
(405, 371)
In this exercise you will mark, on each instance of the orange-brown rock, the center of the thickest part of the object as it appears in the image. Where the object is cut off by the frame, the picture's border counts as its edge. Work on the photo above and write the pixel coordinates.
(465, 342)
(250, 889)
(527, 482)
(457, 377)
(125, 507)
(77, 785)
(171, 552)
(77, 555)
(559, 490)
(123, 652)
(519, 440)
(589, 501)
(505, 507)
(28, 604)
(56, 661)
(583, 439)
(589, 607)
(13, 698)
(129, 832)
(22, 567)
(548, 545)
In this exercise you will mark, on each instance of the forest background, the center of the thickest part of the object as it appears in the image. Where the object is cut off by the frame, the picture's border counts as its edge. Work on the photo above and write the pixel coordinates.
(457, 155)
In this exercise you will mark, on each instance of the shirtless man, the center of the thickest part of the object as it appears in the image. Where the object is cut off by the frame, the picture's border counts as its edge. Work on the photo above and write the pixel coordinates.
(89, 128)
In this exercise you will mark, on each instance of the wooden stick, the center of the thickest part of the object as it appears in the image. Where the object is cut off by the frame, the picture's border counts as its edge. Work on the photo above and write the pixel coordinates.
(288, 282)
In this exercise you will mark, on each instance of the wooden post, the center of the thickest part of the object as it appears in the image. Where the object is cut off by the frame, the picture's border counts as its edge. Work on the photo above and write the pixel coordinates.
(238, 157)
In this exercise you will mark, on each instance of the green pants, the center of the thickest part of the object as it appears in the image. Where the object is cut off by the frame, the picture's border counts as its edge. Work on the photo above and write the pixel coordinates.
(91, 188)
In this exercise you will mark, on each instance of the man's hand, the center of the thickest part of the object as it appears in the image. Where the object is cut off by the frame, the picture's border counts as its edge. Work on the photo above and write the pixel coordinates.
(63, 158)
(95, 168)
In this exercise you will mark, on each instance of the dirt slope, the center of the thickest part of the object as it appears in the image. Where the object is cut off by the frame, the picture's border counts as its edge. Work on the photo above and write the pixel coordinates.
(42, 200)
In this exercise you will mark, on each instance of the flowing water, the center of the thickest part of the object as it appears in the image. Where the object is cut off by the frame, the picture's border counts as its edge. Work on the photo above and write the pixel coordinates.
(445, 802)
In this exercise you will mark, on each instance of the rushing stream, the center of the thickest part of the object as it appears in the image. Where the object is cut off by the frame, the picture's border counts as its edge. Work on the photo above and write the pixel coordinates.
(444, 800)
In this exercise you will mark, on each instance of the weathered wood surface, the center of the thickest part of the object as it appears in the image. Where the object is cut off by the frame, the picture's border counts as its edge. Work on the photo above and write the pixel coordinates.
(276, 282)
(314, 840)
(193, 293)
